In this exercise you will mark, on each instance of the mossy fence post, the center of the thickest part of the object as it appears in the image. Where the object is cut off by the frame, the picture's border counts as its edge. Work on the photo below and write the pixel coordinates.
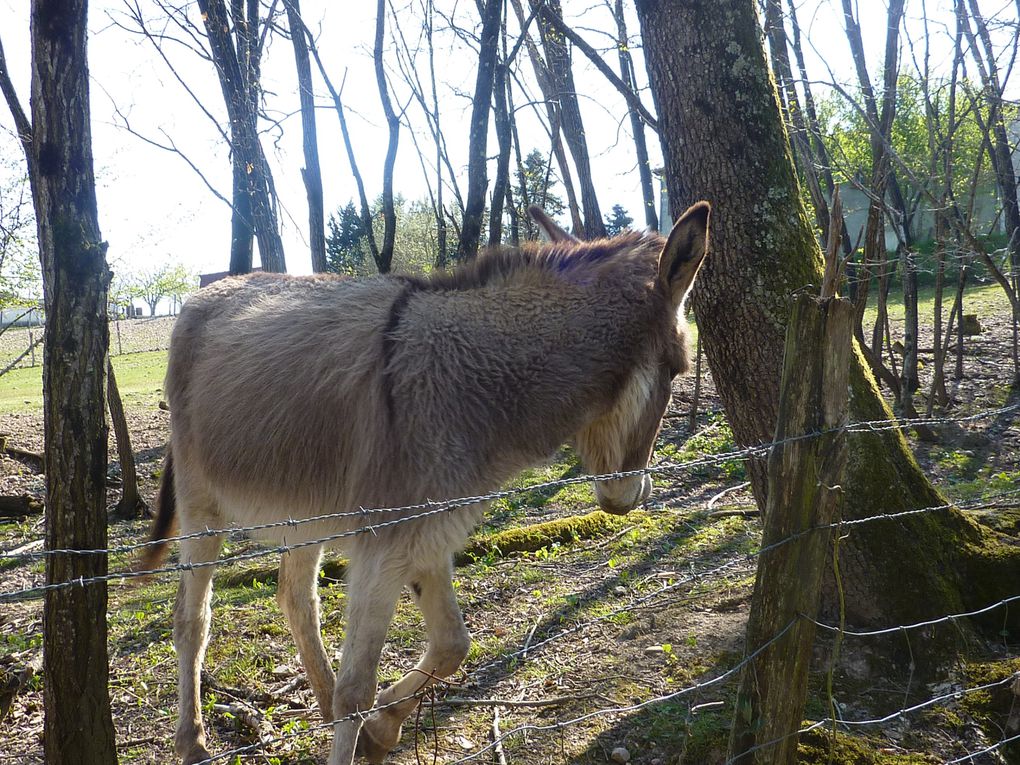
(803, 493)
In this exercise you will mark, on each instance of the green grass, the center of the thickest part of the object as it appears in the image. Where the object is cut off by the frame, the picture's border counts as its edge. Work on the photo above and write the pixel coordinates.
(139, 377)
(985, 300)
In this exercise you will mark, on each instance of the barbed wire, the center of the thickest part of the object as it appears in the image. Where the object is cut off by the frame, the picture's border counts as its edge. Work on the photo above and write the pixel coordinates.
(830, 721)
(35, 592)
(987, 750)
(917, 625)
(433, 506)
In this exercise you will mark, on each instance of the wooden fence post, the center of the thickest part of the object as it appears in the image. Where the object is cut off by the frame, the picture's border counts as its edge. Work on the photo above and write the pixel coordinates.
(803, 493)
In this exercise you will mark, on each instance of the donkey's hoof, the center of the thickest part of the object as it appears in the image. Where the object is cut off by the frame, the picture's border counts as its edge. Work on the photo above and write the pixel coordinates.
(196, 754)
(371, 745)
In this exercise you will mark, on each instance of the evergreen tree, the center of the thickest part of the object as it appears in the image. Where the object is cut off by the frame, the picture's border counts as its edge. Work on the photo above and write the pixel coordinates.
(618, 221)
(346, 242)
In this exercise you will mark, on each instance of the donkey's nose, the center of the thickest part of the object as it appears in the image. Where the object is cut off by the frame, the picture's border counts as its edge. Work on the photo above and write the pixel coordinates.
(623, 495)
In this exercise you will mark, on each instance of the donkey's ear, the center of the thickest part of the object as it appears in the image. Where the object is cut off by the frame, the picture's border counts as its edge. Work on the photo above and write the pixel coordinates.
(685, 249)
(548, 226)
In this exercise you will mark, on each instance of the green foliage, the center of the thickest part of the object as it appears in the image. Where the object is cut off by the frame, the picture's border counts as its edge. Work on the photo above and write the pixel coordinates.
(346, 242)
(536, 187)
(20, 279)
(618, 220)
(169, 280)
(414, 249)
(847, 136)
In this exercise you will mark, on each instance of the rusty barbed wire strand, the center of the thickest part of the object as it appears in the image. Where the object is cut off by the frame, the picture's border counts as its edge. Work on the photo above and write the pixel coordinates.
(434, 506)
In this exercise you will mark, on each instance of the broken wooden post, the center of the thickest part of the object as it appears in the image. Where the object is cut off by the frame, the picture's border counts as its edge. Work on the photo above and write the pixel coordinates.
(803, 494)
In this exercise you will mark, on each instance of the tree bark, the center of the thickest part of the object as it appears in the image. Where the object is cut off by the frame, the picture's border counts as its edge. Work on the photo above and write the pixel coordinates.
(637, 126)
(310, 174)
(130, 503)
(237, 69)
(724, 140)
(384, 260)
(78, 725)
(804, 476)
(557, 59)
(478, 179)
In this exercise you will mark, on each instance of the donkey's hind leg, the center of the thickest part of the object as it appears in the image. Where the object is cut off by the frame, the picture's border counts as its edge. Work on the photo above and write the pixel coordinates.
(299, 599)
(448, 647)
(192, 614)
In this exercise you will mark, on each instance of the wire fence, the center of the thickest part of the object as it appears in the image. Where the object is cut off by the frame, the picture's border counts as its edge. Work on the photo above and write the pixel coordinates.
(21, 346)
(377, 520)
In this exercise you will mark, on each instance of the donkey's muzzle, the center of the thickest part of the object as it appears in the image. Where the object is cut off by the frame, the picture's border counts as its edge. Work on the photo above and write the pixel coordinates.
(622, 495)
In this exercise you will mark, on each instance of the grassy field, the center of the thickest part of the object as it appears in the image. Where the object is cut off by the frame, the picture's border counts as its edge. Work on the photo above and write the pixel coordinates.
(139, 376)
(984, 300)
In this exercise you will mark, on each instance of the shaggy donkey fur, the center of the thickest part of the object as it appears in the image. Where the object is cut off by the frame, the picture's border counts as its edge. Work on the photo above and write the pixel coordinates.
(295, 397)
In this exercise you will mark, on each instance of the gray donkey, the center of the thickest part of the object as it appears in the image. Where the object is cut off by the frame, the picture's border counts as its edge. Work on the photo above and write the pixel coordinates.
(297, 397)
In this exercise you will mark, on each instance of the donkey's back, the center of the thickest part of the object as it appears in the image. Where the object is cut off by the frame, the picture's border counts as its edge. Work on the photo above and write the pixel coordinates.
(273, 384)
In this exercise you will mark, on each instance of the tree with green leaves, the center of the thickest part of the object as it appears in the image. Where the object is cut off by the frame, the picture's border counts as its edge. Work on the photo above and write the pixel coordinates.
(535, 186)
(618, 221)
(346, 241)
(167, 281)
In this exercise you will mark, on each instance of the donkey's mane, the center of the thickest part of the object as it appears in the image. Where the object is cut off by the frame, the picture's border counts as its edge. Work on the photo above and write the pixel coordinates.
(501, 264)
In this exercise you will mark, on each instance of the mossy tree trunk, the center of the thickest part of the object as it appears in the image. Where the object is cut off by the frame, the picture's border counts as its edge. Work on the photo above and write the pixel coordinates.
(78, 726)
(723, 140)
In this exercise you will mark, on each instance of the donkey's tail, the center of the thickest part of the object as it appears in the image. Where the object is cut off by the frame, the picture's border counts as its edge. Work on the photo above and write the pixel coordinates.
(166, 520)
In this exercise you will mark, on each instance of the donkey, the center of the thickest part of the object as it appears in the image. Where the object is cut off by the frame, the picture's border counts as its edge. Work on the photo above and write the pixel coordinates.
(297, 397)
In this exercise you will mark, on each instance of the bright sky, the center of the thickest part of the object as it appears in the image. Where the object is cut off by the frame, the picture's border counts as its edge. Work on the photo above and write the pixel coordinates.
(155, 209)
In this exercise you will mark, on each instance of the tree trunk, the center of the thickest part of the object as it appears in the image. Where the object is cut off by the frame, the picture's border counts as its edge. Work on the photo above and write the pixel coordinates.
(545, 84)
(637, 125)
(78, 725)
(478, 180)
(503, 136)
(242, 233)
(385, 258)
(238, 76)
(557, 59)
(723, 140)
(311, 174)
(773, 686)
(130, 504)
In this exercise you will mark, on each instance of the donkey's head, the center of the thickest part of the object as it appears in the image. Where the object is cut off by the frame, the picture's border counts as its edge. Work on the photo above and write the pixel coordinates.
(621, 439)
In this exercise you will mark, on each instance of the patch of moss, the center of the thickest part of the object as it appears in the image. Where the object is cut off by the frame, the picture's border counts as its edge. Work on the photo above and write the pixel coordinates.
(818, 747)
(539, 535)
(994, 710)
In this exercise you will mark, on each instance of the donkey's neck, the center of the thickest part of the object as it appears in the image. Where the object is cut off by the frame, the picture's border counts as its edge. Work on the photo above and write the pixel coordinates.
(492, 380)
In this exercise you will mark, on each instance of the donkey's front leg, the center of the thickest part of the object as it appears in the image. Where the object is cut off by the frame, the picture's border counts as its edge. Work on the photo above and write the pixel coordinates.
(373, 586)
(299, 599)
(448, 647)
(192, 613)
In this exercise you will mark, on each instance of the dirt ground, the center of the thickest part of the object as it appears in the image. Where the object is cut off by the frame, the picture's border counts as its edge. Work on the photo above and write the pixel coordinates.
(588, 646)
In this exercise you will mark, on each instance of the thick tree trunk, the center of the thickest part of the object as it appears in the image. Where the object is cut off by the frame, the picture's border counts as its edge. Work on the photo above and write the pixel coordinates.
(311, 174)
(78, 726)
(724, 140)
(242, 234)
